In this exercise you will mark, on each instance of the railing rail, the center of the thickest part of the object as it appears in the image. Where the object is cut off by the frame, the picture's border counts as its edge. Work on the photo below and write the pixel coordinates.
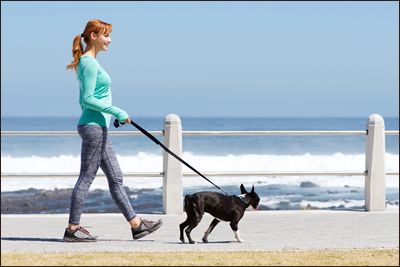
(137, 133)
(195, 133)
(274, 132)
(68, 133)
(190, 174)
(76, 174)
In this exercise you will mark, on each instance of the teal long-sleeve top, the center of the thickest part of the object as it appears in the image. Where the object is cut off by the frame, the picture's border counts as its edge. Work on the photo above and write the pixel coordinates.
(95, 94)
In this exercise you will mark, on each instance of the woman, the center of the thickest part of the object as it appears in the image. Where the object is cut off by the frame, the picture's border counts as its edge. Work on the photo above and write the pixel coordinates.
(97, 150)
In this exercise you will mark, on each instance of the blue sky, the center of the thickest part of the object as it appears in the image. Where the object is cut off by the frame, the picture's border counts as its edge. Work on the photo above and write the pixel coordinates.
(208, 59)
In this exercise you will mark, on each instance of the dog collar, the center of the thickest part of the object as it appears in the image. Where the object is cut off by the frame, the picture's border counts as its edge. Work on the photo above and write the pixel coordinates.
(239, 197)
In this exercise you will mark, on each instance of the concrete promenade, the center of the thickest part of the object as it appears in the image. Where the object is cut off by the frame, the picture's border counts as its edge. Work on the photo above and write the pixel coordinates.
(261, 230)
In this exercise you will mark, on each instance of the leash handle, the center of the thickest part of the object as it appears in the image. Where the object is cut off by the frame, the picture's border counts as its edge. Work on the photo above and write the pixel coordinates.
(155, 140)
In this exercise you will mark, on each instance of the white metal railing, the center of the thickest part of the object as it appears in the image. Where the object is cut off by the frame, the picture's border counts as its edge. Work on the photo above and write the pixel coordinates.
(274, 132)
(47, 133)
(191, 174)
(194, 133)
(172, 170)
(137, 133)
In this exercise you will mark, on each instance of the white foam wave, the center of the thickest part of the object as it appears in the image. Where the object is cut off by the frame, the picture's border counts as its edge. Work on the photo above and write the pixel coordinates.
(274, 201)
(328, 204)
(147, 162)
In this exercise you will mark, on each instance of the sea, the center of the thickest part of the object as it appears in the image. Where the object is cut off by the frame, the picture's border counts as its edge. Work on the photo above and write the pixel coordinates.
(61, 154)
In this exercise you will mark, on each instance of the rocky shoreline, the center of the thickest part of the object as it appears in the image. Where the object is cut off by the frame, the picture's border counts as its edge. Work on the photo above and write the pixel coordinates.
(38, 201)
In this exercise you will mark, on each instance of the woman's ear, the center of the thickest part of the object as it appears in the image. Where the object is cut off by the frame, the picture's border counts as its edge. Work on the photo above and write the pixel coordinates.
(93, 36)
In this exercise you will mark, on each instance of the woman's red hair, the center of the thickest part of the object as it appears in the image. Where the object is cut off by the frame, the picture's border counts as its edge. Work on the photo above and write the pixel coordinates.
(96, 26)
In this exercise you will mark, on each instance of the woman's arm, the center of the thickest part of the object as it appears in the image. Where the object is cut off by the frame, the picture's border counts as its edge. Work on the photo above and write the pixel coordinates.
(88, 80)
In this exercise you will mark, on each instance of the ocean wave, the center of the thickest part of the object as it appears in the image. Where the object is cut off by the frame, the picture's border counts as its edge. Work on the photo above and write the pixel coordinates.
(147, 162)
(343, 203)
(285, 203)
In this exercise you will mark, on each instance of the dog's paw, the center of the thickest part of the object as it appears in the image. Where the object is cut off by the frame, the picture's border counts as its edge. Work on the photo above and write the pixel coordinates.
(240, 240)
(205, 240)
(192, 242)
(182, 240)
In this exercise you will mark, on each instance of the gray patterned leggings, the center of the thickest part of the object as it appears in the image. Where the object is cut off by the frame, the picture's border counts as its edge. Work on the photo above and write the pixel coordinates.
(97, 151)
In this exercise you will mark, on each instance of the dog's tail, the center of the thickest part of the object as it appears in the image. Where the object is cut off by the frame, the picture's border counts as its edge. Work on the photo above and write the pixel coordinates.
(187, 197)
(190, 206)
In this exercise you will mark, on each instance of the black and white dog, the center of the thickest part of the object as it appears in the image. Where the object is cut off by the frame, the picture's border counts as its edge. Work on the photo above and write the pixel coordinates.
(221, 207)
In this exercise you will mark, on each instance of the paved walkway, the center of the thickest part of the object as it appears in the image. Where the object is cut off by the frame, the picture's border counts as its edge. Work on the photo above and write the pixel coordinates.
(262, 230)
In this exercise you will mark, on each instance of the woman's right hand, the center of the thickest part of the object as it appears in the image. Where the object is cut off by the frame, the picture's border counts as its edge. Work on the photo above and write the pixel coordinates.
(127, 121)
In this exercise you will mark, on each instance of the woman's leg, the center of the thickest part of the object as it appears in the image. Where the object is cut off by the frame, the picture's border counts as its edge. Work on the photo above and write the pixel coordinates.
(109, 165)
(93, 144)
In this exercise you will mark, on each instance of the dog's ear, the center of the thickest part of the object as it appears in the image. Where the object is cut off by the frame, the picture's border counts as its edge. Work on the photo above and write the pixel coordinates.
(252, 190)
(242, 189)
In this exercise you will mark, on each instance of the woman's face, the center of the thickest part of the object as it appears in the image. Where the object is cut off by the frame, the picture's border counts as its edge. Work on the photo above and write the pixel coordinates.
(102, 40)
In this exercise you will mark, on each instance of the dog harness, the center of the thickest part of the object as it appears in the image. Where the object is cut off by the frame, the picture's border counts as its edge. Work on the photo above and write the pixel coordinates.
(239, 197)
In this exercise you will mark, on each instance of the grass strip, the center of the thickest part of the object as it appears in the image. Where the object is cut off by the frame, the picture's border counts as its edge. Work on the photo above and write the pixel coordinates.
(368, 257)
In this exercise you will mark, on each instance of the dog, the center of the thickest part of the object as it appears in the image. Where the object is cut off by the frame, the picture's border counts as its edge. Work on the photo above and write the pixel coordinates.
(221, 207)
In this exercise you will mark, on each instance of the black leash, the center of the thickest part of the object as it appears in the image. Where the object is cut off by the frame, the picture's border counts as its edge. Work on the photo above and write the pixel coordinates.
(155, 140)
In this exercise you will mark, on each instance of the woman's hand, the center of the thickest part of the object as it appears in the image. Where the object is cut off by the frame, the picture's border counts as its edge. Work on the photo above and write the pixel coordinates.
(127, 121)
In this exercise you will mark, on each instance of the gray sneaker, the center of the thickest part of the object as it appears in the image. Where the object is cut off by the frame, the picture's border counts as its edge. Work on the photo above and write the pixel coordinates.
(146, 227)
(79, 235)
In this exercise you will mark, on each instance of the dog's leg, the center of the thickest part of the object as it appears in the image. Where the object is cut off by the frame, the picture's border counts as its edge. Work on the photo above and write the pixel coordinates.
(210, 228)
(235, 229)
(238, 236)
(192, 225)
(195, 219)
(182, 226)
(190, 213)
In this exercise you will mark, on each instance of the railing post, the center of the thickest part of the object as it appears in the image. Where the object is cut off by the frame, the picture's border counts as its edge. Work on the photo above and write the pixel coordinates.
(172, 182)
(375, 188)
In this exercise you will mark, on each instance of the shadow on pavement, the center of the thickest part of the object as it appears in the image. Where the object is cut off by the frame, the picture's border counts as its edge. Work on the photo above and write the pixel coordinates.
(33, 239)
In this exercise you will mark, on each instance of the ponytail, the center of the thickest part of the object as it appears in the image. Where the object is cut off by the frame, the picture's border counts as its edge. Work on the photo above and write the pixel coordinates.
(77, 51)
